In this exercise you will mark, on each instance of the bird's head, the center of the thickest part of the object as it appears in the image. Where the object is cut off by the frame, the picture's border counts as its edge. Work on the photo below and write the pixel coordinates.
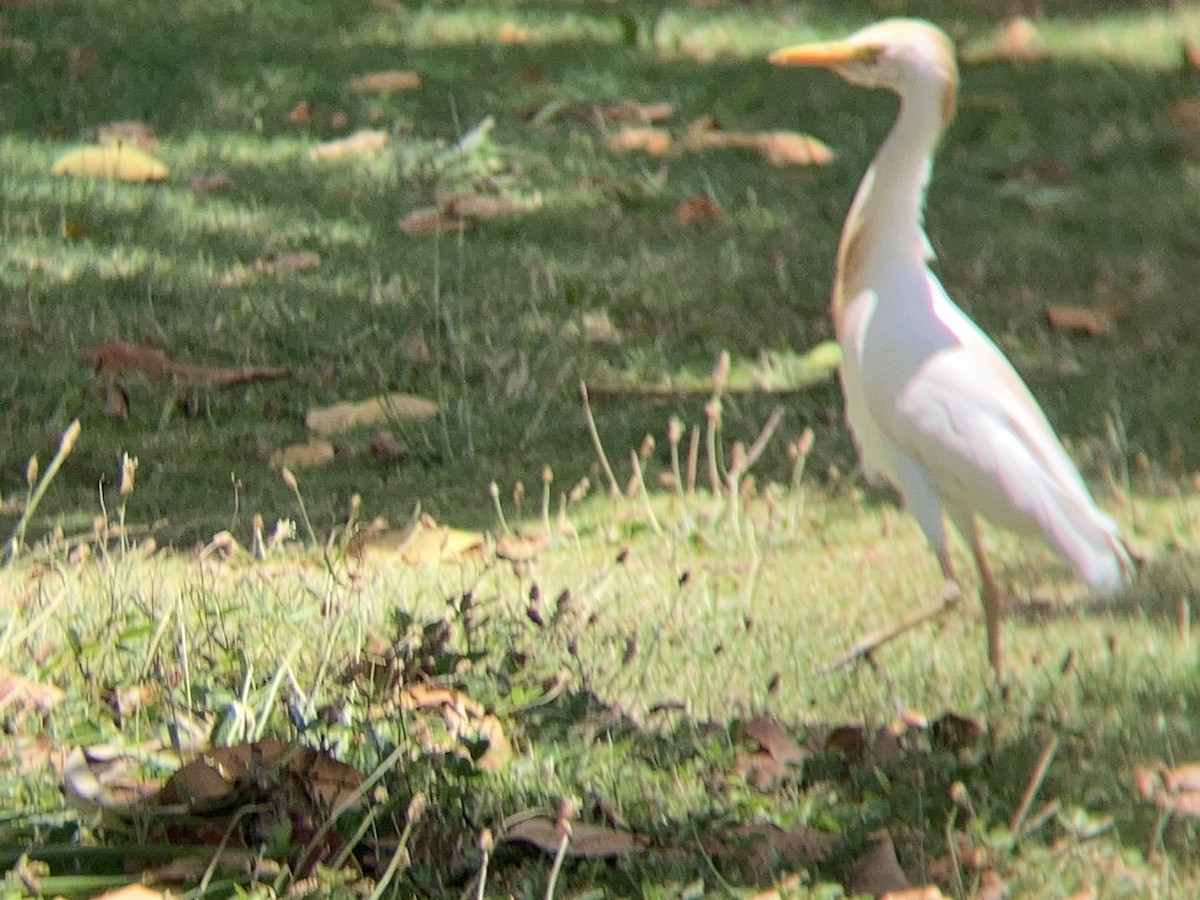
(902, 55)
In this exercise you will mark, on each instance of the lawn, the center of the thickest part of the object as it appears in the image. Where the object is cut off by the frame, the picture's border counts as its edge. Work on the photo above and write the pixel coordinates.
(652, 665)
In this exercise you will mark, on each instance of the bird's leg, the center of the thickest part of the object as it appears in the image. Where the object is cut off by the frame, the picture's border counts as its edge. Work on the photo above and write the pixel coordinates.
(995, 602)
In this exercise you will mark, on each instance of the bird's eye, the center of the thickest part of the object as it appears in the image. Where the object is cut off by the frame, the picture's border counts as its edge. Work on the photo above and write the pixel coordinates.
(869, 56)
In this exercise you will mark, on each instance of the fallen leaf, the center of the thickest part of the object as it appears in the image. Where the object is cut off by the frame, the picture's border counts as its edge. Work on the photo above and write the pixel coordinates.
(769, 735)
(434, 543)
(342, 417)
(220, 775)
(695, 210)
(387, 446)
(286, 263)
(481, 206)
(301, 114)
(430, 220)
(365, 142)
(105, 778)
(779, 148)
(309, 455)
(655, 141)
(878, 871)
(23, 695)
(1016, 40)
(117, 357)
(521, 548)
(928, 892)
(499, 750)
(510, 33)
(1019, 39)
(631, 112)
(389, 82)
(951, 731)
(118, 162)
(587, 841)
(761, 771)
(1079, 319)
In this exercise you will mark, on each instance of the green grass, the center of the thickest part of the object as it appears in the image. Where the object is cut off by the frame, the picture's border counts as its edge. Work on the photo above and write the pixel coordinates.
(504, 310)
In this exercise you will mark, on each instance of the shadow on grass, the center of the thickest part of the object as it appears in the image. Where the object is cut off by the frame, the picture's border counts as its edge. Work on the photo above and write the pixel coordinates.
(496, 306)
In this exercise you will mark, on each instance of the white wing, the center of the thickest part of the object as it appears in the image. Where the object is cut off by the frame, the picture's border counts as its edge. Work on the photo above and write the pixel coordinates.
(954, 404)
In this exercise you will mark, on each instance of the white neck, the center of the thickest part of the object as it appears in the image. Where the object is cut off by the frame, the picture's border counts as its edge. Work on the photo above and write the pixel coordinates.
(892, 195)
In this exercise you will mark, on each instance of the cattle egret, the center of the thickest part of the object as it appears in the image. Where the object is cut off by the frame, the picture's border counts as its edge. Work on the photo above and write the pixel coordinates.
(935, 407)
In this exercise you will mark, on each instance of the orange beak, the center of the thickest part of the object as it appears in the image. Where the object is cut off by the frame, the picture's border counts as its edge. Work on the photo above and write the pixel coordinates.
(824, 55)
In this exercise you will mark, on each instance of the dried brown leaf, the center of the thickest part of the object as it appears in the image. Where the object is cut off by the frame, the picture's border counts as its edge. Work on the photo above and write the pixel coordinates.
(342, 417)
(20, 694)
(389, 82)
(365, 142)
(481, 206)
(218, 776)
(311, 454)
(387, 446)
(771, 736)
(761, 771)
(655, 141)
(951, 731)
(118, 357)
(928, 892)
(695, 210)
(878, 871)
(431, 220)
(1078, 319)
(286, 263)
(587, 841)
(521, 547)
(780, 148)
(511, 34)
(631, 112)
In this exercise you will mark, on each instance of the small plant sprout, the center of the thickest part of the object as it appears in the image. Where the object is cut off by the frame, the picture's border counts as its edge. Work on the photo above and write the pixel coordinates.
(547, 481)
(494, 493)
(674, 436)
(38, 485)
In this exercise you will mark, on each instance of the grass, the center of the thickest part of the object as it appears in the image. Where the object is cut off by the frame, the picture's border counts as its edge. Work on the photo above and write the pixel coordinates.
(508, 312)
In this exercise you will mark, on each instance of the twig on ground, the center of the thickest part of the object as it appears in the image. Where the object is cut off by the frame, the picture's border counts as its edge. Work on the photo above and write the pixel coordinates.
(1035, 783)
(872, 642)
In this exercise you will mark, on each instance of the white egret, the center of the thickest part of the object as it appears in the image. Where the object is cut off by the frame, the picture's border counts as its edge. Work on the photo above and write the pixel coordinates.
(934, 405)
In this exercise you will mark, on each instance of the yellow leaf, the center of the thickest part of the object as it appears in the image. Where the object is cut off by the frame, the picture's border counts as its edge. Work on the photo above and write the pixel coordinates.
(436, 543)
(318, 452)
(120, 162)
(385, 82)
(342, 417)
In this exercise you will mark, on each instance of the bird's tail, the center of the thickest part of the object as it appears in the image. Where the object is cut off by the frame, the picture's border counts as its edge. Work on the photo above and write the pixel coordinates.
(1091, 541)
